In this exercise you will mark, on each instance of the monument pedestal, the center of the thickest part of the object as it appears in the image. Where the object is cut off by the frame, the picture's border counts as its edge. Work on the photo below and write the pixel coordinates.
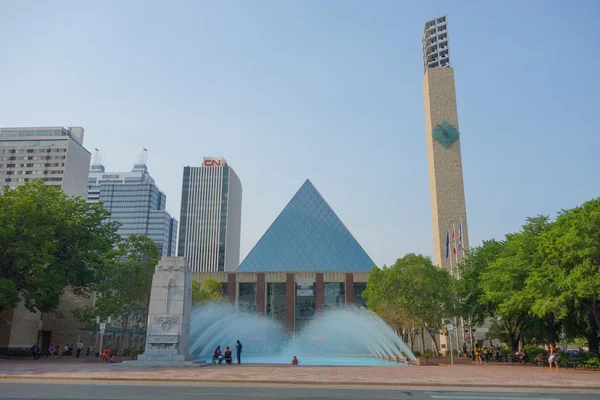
(168, 330)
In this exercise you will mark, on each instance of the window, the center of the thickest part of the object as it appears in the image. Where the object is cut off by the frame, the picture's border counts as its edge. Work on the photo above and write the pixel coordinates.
(276, 301)
(335, 295)
(359, 288)
(247, 297)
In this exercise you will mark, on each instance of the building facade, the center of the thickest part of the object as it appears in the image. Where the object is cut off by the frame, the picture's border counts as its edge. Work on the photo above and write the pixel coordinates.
(211, 216)
(135, 201)
(54, 154)
(291, 298)
(306, 262)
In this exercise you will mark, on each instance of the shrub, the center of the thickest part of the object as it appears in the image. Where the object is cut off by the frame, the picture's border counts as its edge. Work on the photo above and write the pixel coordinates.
(532, 352)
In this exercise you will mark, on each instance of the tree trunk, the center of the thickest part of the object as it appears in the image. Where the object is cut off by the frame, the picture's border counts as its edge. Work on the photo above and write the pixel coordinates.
(592, 337)
(124, 322)
(422, 340)
(551, 332)
(512, 342)
(521, 342)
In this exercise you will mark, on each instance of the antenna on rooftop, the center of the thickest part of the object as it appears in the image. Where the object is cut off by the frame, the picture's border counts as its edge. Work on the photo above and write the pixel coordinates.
(97, 157)
(142, 156)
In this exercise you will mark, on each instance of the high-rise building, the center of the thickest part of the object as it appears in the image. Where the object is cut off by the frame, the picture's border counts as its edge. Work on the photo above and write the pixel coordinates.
(448, 207)
(211, 216)
(54, 154)
(135, 201)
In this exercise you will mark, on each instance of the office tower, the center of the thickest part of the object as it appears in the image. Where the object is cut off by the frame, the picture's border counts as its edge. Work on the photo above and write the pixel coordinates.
(135, 201)
(54, 154)
(211, 216)
(449, 215)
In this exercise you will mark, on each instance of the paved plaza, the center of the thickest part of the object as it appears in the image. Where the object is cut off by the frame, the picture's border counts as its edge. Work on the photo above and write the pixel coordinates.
(489, 376)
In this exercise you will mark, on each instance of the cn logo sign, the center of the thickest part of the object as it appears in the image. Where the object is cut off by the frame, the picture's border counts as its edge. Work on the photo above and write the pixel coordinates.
(212, 163)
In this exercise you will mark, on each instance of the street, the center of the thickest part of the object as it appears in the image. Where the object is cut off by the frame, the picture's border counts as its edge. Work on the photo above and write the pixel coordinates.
(147, 391)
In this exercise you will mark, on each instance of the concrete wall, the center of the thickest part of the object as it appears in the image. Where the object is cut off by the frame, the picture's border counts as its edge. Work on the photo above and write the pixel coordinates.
(76, 173)
(445, 165)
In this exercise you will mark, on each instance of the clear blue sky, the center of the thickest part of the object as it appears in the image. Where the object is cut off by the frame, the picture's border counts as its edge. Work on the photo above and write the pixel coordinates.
(326, 90)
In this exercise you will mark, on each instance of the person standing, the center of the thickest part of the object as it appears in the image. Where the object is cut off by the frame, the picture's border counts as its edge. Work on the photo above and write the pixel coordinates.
(79, 347)
(238, 347)
(553, 358)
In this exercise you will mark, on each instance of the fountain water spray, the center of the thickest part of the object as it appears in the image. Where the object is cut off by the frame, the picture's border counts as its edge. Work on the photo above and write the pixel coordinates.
(349, 331)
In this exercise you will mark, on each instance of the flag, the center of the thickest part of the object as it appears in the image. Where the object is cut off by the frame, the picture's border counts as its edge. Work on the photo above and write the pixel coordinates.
(447, 244)
(454, 250)
(460, 233)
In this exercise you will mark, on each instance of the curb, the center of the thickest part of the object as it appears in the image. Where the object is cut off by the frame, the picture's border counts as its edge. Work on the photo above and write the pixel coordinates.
(287, 382)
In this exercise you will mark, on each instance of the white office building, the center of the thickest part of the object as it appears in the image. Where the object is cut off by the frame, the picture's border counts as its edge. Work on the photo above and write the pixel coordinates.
(54, 154)
(211, 216)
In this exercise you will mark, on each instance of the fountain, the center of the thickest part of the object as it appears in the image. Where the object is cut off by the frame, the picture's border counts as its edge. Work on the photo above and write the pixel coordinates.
(343, 336)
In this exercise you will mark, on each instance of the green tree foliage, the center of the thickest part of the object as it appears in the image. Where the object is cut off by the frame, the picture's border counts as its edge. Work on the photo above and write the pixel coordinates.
(124, 294)
(48, 242)
(539, 283)
(210, 291)
(412, 295)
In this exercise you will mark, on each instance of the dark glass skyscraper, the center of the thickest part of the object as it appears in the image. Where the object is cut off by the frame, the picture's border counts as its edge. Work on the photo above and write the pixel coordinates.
(135, 201)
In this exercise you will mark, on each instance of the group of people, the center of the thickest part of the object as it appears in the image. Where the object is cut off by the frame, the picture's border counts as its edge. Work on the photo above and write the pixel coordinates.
(219, 357)
(55, 349)
(477, 353)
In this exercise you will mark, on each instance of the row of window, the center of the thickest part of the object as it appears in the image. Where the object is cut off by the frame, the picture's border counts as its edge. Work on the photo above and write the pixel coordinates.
(39, 132)
(23, 143)
(32, 165)
(17, 151)
(29, 179)
(13, 158)
(35, 172)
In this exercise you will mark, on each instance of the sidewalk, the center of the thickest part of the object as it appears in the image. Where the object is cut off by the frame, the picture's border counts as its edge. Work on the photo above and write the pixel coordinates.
(514, 376)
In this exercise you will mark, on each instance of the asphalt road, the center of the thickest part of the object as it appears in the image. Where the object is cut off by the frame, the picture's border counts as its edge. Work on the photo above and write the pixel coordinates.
(94, 391)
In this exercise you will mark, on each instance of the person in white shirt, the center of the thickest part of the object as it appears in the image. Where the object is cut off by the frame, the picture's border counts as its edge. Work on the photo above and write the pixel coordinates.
(79, 347)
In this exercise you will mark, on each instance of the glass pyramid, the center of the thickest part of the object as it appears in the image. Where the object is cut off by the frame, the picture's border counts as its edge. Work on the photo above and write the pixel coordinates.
(307, 236)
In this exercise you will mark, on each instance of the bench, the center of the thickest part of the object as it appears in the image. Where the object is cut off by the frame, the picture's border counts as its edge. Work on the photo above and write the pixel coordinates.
(541, 360)
(574, 362)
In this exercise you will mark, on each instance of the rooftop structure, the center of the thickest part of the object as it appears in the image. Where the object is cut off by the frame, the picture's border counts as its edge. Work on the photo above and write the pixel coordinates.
(436, 52)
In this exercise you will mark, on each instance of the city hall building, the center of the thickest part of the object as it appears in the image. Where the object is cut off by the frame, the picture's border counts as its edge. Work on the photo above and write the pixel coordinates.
(305, 263)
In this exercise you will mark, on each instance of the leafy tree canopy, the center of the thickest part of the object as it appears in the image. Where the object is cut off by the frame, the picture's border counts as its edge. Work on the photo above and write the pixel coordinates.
(209, 291)
(48, 242)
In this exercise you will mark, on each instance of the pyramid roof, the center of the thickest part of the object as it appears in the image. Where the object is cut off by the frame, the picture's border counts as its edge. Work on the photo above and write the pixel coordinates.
(307, 236)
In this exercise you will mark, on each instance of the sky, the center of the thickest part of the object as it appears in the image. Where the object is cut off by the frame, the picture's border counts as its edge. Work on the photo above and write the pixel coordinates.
(331, 90)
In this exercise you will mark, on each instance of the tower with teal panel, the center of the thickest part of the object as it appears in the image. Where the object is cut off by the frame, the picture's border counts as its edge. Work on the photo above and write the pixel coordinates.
(448, 206)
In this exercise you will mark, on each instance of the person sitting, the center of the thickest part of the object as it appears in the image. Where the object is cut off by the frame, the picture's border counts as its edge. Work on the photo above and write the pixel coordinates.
(228, 355)
(105, 355)
(523, 357)
(217, 356)
(295, 361)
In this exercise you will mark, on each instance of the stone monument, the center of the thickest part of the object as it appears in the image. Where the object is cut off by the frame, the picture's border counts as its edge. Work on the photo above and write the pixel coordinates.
(168, 331)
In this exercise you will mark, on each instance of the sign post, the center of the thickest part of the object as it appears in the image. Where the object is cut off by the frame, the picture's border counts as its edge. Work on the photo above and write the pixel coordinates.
(450, 328)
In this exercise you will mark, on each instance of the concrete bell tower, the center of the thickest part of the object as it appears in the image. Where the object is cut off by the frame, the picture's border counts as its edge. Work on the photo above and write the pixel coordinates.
(448, 208)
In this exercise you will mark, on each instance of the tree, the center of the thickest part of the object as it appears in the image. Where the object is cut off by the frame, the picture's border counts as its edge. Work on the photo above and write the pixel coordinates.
(125, 293)
(570, 277)
(504, 284)
(210, 291)
(48, 242)
(414, 292)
